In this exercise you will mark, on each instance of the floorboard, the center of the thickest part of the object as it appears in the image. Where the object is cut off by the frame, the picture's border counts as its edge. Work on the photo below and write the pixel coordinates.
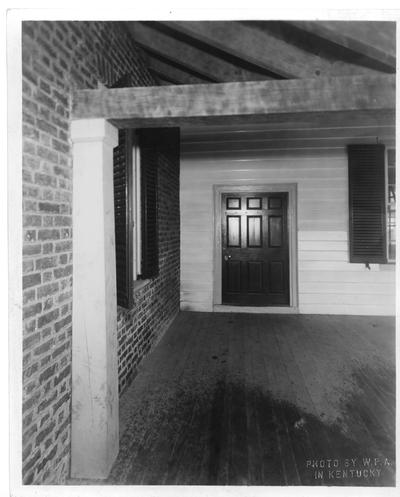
(242, 399)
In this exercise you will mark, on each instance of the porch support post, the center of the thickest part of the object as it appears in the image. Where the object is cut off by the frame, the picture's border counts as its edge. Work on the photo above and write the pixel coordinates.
(94, 437)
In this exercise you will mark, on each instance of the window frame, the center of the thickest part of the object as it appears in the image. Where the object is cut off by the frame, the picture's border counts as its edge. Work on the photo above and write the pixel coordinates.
(136, 211)
(139, 155)
(389, 260)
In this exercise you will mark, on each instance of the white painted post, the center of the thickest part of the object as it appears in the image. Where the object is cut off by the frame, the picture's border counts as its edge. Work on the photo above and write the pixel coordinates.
(94, 437)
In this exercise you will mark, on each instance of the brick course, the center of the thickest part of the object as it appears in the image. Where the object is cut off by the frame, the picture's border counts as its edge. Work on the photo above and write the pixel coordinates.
(157, 302)
(58, 57)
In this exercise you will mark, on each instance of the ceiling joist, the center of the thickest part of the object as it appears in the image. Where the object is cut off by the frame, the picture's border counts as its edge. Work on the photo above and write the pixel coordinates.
(257, 45)
(156, 42)
(176, 73)
(371, 41)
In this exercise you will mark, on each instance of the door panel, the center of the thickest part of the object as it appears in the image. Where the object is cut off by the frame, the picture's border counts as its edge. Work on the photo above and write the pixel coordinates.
(275, 231)
(254, 231)
(233, 203)
(255, 249)
(254, 203)
(255, 276)
(233, 276)
(233, 231)
(276, 277)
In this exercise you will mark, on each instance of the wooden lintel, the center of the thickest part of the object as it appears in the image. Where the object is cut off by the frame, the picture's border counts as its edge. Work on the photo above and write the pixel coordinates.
(250, 101)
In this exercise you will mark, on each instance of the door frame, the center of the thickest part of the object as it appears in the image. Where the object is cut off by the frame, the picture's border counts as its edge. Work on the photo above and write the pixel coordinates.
(291, 189)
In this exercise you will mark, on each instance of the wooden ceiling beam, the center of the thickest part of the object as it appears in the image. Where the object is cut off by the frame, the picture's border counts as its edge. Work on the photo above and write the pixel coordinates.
(257, 45)
(164, 82)
(375, 41)
(212, 67)
(226, 102)
(172, 73)
(251, 135)
(162, 78)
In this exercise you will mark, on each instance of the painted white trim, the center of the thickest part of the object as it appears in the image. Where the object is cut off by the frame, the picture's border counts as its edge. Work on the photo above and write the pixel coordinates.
(95, 400)
(389, 261)
(291, 189)
(255, 310)
(138, 215)
(93, 130)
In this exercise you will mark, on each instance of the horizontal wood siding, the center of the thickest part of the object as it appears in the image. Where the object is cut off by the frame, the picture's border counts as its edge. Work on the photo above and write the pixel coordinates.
(327, 282)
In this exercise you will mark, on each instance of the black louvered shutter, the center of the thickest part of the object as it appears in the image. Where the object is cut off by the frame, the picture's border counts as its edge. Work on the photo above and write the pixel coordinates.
(156, 146)
(367, 227)
(123, 221)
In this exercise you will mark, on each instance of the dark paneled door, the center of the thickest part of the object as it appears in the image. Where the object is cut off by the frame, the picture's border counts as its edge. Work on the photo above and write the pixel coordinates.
(255, 249)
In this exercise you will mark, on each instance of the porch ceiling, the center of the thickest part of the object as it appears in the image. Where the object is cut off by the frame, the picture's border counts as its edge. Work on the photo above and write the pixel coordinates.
(192, 52)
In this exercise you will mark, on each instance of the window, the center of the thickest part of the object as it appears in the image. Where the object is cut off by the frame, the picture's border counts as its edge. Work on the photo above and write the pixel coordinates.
(371, 203)
(391, 203)
(135, 207)
(143, 212)
(139, 156)
(136, 213)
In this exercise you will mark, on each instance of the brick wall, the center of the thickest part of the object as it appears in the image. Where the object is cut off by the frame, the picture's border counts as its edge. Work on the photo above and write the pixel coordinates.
(56, 58)
(156, 303)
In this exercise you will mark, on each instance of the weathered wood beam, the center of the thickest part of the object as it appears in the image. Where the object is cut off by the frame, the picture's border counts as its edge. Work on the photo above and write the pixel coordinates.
(207, 64)
(172, 73)
(256, 45)
(280, 99)
(164, 82)
(162, 79)
(293, 119)
(375, 41)
(179, 74)
(250, 134)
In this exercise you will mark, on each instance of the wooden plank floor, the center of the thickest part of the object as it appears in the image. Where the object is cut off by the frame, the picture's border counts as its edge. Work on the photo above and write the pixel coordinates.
(241, 399)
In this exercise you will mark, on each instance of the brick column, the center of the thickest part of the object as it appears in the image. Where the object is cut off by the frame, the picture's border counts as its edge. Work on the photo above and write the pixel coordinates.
(94, 437)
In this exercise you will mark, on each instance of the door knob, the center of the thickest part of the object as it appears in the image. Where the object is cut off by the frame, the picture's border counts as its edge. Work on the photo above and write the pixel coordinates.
(227, 257)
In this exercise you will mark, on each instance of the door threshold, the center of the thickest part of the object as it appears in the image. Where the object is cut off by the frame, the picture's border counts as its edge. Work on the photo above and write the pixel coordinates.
(255, 310)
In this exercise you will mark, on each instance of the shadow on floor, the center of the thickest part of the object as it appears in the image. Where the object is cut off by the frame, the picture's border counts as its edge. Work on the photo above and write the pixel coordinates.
(235, 399)
(236, 435)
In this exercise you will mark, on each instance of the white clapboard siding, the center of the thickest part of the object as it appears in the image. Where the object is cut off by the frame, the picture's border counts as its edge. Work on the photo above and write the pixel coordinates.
(347, 299)
(313, 177)
(347, 276)
(291, 169)
(202, 245)
(199, 136)
(346, 288)
(193, 279)
(334, 266)
(196, 267)
(342, 309)
(327, 282)
(321, 224)
(196, 306)
(274, 146)
(314, 255)
(191, 284)
(323, 245)
(196, 258)
(273, 163)
(333, 194)
(322, 236)
(196, 296)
